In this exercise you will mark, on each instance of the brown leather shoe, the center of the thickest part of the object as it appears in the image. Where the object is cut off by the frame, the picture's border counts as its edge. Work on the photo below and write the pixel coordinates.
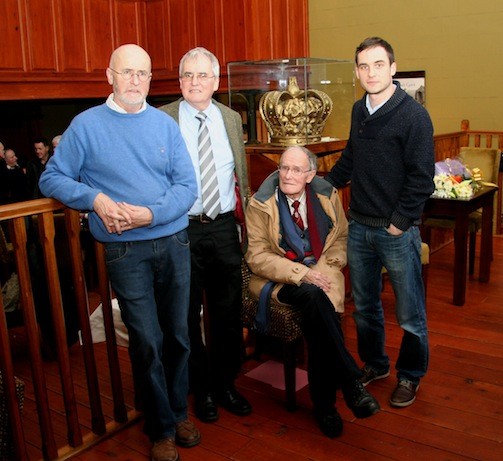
(187, 434)
(404, 394)
(164, 450)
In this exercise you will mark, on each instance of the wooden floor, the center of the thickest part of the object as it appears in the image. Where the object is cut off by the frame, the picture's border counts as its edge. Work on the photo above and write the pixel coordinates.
(458, 414)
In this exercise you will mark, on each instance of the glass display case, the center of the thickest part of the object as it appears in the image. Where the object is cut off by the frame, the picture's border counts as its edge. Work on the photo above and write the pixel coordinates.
(293, 101)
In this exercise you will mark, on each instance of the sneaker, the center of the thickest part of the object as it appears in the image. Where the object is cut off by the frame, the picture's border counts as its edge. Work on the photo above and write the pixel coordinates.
(404, 394)
(370, 374)
(187, 434)
(360, 401)
(164, 450)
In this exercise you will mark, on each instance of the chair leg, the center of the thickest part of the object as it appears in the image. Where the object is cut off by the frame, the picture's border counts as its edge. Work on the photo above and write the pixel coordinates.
(424, 274)
(259, 346)
(471, 253)
(426, 234)
(289, 365)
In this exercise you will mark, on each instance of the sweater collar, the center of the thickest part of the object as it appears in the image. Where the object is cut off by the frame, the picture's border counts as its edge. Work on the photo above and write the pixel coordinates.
(392, 103)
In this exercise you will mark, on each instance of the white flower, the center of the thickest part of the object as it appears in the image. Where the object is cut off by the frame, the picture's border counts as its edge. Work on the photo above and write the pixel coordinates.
(447, 186)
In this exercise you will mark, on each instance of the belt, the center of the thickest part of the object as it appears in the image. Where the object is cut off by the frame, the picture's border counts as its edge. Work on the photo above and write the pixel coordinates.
(203, 219)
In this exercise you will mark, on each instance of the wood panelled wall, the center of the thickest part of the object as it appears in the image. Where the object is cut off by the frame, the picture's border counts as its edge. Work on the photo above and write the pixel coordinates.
(53, 49)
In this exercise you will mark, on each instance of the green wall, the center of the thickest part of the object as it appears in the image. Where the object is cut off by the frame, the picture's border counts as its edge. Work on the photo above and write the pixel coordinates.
(459, 43)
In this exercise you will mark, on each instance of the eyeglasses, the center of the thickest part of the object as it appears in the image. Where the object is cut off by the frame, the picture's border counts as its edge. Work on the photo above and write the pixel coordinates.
(296, 171)
(201, 76)
(127, 74)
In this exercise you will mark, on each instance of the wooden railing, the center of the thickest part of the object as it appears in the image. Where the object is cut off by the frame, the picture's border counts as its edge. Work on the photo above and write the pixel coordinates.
(43, 212)
(448, 145)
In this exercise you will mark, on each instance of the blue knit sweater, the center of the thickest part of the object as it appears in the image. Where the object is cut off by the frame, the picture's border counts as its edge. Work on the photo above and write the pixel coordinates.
(136, 158)
(390, 162)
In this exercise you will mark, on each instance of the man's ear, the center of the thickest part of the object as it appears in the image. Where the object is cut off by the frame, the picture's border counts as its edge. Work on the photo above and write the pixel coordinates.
(310, 176)
(393, 69)
(110, 76)
(357, 72)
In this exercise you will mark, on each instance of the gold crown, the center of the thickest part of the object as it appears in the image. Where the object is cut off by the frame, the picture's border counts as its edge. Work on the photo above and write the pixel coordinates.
(295, 117)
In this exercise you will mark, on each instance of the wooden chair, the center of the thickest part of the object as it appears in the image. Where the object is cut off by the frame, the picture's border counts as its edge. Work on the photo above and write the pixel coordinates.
(488, 160)
(285, 326)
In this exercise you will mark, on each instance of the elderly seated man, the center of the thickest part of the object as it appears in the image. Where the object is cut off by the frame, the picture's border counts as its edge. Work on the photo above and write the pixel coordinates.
(297, 233)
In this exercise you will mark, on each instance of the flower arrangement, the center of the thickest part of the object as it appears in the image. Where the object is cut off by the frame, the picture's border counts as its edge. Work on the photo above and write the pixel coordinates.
(454, 180)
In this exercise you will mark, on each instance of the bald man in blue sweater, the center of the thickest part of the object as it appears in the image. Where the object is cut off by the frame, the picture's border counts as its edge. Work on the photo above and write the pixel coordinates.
(127, 163)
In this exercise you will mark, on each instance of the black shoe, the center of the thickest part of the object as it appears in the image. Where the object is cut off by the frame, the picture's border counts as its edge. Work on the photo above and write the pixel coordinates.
(233, 401)
(206, 408)
(330, 423)
(360, 401)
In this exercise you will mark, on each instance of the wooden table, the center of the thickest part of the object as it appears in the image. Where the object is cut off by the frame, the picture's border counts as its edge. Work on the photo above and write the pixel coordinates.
(460, 209)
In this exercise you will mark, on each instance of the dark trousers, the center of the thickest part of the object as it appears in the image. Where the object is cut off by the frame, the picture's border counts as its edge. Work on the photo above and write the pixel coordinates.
(215, 270)
(330, 365)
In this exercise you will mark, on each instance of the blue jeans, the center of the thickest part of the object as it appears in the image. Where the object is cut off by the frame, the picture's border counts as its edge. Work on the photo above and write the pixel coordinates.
(369, 249)
(151, 279)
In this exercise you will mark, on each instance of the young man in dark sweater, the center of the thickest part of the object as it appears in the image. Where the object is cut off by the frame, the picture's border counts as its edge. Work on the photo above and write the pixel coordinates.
(389, 160)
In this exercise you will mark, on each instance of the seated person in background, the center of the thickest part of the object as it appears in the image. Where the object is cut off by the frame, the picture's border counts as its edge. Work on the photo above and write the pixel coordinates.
(297, 233)
(2, 155)
(13, 184)
(55, 142)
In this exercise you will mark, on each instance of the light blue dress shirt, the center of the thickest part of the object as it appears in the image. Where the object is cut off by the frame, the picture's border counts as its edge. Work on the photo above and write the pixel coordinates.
(224, 161)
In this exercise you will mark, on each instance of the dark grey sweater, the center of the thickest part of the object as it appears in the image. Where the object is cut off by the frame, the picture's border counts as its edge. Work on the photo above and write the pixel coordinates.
(390, 161)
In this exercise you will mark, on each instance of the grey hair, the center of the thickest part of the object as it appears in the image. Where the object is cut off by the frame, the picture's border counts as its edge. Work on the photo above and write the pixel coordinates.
(312, 159)
(200, 51)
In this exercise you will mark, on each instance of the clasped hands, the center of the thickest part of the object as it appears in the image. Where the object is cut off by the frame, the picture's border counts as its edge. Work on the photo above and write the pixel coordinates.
(315, 277)
(118, 217)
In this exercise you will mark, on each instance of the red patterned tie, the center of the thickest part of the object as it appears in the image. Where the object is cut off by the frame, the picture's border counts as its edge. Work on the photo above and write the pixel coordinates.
(297, 218)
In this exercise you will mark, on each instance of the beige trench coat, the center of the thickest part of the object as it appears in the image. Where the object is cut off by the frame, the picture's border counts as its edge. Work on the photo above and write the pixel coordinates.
(265, 256)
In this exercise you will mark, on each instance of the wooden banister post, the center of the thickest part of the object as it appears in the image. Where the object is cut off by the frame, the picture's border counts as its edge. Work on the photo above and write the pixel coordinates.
(465, 125)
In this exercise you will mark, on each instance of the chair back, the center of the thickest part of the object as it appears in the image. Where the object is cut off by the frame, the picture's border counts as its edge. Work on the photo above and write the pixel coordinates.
(489, 163)
(487, 160)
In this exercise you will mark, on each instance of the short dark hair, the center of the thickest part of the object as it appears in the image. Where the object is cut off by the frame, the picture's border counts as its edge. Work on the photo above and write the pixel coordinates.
(372, 42)
(43, 140)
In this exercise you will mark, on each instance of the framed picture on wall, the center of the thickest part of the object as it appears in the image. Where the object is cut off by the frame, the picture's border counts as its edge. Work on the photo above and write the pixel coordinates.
(414, 83)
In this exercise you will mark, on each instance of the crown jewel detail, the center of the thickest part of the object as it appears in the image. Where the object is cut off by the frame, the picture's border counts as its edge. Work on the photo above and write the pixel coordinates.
(295, 117)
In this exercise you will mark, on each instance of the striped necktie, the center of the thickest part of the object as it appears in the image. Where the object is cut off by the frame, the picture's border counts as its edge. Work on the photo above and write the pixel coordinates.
(209, 181)
(297, 218)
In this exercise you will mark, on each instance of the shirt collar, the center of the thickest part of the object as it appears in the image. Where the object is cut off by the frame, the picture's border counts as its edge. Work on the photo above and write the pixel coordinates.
(376, 108)
(192, 111)
(301, 199)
